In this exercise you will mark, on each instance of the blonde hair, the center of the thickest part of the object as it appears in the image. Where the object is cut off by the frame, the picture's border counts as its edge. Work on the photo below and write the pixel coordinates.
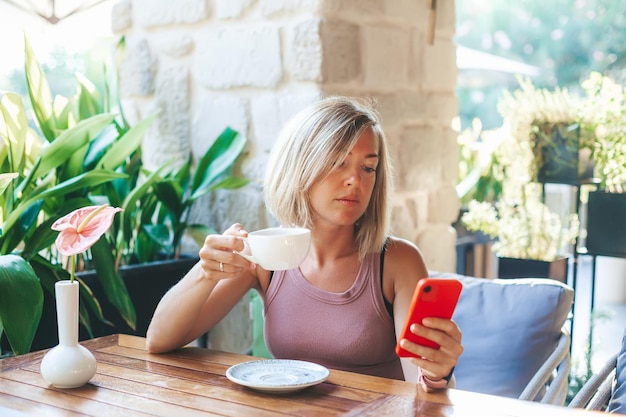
(307, 150)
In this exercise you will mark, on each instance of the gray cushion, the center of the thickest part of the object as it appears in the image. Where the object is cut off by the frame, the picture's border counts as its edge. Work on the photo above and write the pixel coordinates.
(617, 404)
(510, 327)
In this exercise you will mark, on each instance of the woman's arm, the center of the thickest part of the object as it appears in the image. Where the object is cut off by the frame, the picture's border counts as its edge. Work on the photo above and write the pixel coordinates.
(205, 294)
(404, 267)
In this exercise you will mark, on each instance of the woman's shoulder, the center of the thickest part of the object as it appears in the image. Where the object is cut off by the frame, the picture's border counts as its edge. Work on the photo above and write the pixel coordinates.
(402, 253)
(395, 244)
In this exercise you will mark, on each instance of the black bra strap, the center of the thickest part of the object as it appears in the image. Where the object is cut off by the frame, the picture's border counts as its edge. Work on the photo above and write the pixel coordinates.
(388, 305)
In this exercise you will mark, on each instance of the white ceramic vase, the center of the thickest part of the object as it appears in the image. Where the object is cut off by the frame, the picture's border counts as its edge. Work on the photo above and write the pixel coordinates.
(68, 365)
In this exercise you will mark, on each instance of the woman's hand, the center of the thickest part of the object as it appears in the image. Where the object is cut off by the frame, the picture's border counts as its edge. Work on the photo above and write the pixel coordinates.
(436, 364)
(203, 297)
(218, 258)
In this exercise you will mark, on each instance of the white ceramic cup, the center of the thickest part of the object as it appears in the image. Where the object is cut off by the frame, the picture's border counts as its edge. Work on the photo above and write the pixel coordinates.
(277, 248)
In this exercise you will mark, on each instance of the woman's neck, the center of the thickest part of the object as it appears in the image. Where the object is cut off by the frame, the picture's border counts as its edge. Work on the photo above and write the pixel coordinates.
(329, 244)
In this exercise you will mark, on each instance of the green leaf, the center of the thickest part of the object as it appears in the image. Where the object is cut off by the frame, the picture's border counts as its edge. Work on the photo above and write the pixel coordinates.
(5, 180)
(170, 193)
(48, 273)
(132, 199)
(39, 92)
(21, 302)
(160, 234)
(230, 183)
(126, 145)
(99, 146)
(13, 128)
(220, 158)
(182, 176)
(41, 238)
(87, 179)
(112, 282)
(89, 98)
(24, 223)
(71, 140)
(145, 248)
(63, 113)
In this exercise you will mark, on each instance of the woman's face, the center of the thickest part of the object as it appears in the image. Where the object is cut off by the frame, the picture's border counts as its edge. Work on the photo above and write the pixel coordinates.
(342, 197)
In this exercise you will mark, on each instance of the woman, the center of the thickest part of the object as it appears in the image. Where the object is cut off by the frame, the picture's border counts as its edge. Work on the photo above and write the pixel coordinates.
(329, 171)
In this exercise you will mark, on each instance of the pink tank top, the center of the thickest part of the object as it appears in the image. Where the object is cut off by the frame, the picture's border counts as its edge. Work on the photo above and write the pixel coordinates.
(350, 331)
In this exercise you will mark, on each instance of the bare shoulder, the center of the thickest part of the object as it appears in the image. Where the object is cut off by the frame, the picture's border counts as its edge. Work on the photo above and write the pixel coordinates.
(402, 253)
(404, 267)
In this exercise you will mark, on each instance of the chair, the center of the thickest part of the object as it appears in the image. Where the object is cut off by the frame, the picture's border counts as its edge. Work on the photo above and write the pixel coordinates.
(550, 382)
(596, 392)
(617, 403)
(606, 389)
(515, 338)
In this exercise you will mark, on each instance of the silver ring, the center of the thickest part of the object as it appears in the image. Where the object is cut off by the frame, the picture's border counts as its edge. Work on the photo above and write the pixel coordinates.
(221, 267)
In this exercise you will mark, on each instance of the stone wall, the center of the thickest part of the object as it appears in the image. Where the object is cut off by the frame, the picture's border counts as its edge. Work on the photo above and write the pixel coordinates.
(251, 64)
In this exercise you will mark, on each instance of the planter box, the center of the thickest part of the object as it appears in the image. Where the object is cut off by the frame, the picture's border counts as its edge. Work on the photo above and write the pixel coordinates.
(562, 161)
(146, 284)
(531, 268)
(606, 224)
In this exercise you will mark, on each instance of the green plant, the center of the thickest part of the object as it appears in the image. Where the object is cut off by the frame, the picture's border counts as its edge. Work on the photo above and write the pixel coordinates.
(49, 171)
(543, 133)
(82, 153)
(21, 302)
(181, 188)
(480, 173)
(157, 204)
(606, 109)
(531, 117)
(524, 228)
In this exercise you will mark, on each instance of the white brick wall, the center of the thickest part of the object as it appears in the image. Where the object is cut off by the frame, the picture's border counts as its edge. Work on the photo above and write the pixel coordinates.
(239, 57)
(159, 13)
(253, 64)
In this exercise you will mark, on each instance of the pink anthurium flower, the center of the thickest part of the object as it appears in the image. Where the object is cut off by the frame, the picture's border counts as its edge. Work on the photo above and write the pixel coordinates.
(80, 229)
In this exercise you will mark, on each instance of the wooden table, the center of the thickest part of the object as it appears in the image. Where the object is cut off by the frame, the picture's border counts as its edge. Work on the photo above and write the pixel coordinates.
(191, 382)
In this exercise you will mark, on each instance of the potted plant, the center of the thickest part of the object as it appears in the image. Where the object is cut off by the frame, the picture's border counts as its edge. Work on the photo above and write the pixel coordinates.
(144, 247)
(147, 254)
(606, 106)
(530, 239)
(547, 138)
(45, 175)
(37, 192)
(606, 205)
(550, 138)
(83, 153)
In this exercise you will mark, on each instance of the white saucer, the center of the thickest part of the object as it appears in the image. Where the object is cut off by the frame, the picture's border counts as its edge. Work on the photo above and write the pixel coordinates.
(277, 375)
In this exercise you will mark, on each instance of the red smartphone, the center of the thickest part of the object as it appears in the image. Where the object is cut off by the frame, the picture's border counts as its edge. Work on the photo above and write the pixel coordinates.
(433, 297)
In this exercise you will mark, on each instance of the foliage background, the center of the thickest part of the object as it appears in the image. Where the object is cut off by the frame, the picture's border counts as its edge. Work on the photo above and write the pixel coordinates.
(565, 39)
